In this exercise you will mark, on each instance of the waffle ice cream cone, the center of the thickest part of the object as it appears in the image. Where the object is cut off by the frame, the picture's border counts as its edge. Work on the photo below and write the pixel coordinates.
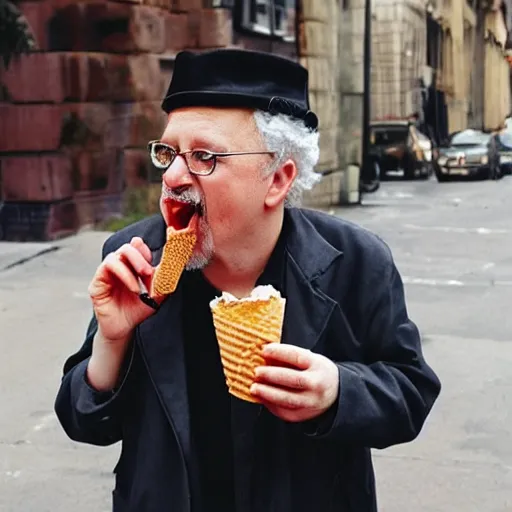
(176, 252)
(243, 327)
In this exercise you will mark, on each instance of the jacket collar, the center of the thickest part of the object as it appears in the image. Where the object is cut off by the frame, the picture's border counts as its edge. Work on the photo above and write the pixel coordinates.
(312, 253)
(308, 308)
(154, 232)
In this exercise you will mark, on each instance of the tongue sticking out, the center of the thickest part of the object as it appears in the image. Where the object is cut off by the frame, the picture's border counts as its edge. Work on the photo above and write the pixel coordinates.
(181, 216)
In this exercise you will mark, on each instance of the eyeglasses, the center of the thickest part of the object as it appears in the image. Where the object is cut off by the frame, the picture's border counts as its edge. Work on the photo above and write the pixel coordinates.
(200, 162)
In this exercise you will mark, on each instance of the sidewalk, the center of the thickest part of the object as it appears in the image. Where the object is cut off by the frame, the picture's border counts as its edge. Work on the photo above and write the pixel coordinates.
(13, 254)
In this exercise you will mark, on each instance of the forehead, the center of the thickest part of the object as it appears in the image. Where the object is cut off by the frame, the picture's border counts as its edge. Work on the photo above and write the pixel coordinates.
(217, 124)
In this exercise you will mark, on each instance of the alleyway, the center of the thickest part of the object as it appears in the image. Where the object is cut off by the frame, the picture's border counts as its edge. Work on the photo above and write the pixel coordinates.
(453, 246)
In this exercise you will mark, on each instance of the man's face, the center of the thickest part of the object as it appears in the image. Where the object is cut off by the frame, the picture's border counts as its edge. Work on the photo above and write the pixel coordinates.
(232, 197)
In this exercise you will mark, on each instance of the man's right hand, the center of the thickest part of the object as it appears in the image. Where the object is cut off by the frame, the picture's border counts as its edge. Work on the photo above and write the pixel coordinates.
(114, 291)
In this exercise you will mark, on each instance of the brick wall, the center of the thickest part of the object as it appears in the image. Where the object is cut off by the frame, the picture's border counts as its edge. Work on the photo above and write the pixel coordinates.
(77, 113)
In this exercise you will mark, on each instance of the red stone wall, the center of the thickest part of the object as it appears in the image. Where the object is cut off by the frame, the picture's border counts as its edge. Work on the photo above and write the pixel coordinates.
(76, 115)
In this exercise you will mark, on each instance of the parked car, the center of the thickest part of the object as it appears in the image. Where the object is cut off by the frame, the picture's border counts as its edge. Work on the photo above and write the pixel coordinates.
(399, 145)
(504, 144)
(469, 153)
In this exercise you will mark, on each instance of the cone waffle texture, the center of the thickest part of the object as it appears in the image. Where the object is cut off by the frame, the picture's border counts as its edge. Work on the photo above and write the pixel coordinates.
(243, 328)
(176, 253)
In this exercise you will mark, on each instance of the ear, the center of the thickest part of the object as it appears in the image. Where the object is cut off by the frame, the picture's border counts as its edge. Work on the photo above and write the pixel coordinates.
(281, 181)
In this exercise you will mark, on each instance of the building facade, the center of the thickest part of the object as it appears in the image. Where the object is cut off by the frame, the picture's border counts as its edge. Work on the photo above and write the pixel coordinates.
(78, 111)
(444, 61)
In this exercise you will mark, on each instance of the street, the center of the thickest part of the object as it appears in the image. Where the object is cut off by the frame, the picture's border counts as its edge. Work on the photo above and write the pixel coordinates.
(453, 246)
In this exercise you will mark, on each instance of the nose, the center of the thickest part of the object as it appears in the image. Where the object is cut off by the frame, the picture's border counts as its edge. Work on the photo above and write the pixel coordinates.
(177, 175)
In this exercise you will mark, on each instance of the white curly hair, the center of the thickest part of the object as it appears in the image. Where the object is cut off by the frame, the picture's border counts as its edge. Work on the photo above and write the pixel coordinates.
(290, 138)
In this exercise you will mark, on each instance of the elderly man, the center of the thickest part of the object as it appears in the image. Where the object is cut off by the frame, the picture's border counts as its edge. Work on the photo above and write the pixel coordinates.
(349, 375)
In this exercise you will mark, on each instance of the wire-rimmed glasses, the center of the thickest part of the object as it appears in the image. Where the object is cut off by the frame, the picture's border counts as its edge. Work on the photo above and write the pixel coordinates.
(200, 162)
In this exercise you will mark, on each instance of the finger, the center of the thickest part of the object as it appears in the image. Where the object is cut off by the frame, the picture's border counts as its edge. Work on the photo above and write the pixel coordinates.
(289, 354)
(135, 259)
(113, 265)
(274, 362)
(279, 397)
(139, 244)
(283, 377)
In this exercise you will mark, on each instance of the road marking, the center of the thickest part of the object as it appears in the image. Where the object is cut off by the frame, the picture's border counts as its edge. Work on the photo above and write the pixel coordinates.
(45, 422)
(422, 281)
(403, 195)
(13, 474)
(452, 229)
(432, 282)
(487, 266)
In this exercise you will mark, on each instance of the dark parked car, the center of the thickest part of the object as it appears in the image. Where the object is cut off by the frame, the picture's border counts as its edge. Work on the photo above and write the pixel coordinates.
(398, 145)
(469, 153)
(504, 144)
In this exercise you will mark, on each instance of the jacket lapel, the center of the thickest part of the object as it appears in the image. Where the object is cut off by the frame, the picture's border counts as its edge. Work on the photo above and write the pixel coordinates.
(309, 256)
(161, 341)
(307, 311)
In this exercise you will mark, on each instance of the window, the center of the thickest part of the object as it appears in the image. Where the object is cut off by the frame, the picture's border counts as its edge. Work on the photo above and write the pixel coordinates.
(219, 3)
(387, 135)
(269, 17)
(434, 41)
(469, 138)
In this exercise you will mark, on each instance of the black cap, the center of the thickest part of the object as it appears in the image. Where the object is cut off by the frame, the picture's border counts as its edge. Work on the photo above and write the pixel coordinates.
(240, 78)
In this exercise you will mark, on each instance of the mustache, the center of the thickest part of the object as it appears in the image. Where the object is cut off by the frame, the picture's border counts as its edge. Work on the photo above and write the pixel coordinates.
(187, 195)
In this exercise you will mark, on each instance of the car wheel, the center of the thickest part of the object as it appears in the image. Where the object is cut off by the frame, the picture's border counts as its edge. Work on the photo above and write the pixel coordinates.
(425, 171)
(487, 173)
(409, 171)
(442, 178)
(374, 184)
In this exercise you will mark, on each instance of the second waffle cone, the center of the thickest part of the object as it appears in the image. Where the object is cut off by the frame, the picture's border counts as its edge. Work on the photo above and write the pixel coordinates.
(243, 328)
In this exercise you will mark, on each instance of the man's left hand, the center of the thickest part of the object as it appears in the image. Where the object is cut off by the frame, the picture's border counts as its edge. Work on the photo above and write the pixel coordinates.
(296, 384)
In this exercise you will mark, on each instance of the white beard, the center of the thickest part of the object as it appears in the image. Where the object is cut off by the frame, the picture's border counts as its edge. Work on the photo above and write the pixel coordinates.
(203, 251)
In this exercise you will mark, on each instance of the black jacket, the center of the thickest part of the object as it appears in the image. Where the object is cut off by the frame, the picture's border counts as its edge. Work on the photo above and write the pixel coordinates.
(345, 300)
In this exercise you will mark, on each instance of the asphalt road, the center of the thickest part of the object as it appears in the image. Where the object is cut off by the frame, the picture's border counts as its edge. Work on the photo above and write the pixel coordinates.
(453, 246)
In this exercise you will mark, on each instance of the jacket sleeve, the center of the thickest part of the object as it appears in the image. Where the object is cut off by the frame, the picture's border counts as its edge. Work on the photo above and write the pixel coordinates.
(87, 415)
(385, 400)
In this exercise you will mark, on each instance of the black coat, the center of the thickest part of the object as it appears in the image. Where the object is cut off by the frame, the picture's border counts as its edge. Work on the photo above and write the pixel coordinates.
(345, 300)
